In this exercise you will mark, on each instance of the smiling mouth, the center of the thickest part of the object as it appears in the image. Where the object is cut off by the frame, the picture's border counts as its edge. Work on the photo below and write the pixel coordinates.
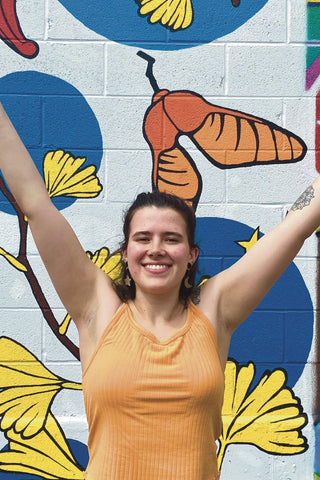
(156, 267)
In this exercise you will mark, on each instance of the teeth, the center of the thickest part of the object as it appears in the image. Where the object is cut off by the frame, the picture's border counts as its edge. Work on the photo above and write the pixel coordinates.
(156, 267)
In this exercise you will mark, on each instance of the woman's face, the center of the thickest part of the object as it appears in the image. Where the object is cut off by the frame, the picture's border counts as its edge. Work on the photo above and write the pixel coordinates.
(158, 250)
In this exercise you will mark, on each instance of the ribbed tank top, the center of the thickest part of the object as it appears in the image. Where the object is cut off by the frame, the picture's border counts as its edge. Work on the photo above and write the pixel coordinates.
(154, 407)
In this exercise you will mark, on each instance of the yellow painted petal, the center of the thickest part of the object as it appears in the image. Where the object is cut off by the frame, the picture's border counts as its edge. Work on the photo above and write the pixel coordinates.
(63, 176)
(173, 14)
(266, 391)
(277, 433)
(176, 21)
(47, 454)
(238, 381)
(11, 259)
(63, 328)
(72, 385)
(113, 267)
(28, 389)
(203, 280)
(159, 13)
(25, 408)
(20, 367)
(150, 5)
(243, 381)
(109, 264)
(269, 416)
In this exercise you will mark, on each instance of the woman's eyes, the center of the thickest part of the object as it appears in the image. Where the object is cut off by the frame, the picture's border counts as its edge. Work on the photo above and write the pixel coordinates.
(172, 239)
(166, 239)
(143, 239)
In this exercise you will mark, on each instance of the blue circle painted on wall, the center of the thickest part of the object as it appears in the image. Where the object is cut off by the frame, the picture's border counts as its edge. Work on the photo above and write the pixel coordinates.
(122, 23)
(278, 334)
(50, 114)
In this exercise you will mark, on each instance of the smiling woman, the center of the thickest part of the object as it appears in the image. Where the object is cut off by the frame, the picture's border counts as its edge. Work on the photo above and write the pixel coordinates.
(177, 228)
(152, 360)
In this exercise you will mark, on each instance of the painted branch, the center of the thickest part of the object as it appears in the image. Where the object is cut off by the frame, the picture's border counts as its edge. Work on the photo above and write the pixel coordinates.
(32, 279)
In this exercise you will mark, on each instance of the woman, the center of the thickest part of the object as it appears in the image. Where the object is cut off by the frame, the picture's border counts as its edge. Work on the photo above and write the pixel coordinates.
(152, 360)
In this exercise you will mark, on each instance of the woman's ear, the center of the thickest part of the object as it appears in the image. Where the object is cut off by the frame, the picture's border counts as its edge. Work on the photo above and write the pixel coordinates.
(124, 254)
(194, 252)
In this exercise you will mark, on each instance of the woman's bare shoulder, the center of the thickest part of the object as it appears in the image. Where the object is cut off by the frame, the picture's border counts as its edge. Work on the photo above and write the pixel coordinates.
(206, 296)
(106, 304)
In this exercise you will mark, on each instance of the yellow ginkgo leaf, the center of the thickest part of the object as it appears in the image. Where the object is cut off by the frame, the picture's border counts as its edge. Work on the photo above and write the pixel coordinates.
(11, 259)
(63, 327)
(237, 384)
(172, 14)
(28, 389)
(109, 264)
(203, 280)
(47, 454)
(18, 365)
(63, 176)
(25, 408)
(269, 416)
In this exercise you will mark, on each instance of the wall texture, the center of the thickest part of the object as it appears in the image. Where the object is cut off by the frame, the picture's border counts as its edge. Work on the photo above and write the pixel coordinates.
(214, 101)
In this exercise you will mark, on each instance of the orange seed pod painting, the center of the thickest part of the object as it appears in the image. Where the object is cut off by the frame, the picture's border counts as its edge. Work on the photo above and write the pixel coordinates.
(227, 138)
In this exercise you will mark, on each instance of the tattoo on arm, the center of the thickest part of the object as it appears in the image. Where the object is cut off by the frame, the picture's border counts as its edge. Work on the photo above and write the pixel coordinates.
(196, 295)
(304, 199)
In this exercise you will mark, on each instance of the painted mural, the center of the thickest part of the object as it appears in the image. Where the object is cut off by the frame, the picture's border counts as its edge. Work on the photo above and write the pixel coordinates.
(260, 406)
(163, 24)
(62, 133)
(141, 22)
(313, 38)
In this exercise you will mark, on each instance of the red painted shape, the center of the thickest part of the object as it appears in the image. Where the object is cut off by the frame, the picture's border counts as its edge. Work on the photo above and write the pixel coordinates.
(11, 33)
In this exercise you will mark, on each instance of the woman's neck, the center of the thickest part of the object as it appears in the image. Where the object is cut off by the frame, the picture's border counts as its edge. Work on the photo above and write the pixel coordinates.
(155, 311)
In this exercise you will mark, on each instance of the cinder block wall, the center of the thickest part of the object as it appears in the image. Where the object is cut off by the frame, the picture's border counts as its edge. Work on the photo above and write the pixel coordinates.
(87, 62)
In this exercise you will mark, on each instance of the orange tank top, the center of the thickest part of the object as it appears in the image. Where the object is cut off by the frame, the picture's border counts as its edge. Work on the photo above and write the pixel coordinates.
(154, 407)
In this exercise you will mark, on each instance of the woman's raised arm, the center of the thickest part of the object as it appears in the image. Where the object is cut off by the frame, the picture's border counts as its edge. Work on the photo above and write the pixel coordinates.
(233, 294)
(76, 279)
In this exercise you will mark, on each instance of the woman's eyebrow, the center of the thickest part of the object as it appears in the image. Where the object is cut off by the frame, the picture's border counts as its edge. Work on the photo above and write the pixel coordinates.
(176, 234)
(141, 232)
(147, 232)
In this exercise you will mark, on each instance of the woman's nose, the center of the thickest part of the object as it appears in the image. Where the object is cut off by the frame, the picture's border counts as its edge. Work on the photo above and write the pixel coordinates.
(155, 248)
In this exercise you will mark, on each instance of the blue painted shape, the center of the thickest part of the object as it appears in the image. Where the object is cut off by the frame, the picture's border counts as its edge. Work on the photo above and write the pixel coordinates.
(299, 325)
(119, 21)
(278, 334)
(50, 114)
(72, 129)
(80, 453)
(268, 337)
(317, 450)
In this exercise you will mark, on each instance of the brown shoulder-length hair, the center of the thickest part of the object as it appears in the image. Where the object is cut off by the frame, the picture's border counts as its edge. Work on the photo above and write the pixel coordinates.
(159, 200)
